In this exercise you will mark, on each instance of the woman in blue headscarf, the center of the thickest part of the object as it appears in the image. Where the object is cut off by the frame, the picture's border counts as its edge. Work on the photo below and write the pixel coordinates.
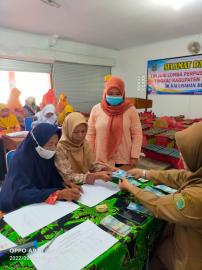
(32, 176)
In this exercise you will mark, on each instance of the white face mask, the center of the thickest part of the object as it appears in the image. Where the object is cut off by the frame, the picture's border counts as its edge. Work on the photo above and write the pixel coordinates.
(44, 153)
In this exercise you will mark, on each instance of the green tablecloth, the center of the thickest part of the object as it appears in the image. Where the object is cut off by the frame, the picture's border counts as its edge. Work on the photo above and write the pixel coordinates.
(129, 253)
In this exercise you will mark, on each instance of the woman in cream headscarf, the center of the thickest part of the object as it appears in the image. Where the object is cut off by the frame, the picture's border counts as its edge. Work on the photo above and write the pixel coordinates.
(30, 107)
(74, 158)
(181, 248)
(8, 121)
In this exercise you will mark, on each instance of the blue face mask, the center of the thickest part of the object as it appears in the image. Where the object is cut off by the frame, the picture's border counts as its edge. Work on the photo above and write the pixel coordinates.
(114, 100)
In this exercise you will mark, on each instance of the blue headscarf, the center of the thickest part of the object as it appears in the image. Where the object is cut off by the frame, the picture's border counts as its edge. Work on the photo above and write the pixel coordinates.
(30, 178)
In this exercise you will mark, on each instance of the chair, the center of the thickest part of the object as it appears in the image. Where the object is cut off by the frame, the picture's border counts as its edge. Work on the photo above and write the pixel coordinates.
(28, 123)
(9, 156)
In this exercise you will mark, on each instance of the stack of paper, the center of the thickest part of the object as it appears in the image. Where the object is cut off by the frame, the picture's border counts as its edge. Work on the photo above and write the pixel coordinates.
(74, 249)
(5, 243)
(18, 134)
(33, 217)
(94, 194)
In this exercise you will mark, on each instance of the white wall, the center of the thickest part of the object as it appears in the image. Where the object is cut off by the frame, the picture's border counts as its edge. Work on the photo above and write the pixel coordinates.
(128, 63)
(133, 63)
(27, 46)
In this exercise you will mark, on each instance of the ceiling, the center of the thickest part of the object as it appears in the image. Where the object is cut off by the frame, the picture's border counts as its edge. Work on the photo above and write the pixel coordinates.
(113, 24)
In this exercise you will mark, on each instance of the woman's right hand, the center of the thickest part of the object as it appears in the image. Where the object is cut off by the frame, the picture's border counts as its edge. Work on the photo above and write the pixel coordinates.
(71, 184)
(69, 194)
(1, 214)
(124, 184)
(137, 173)
(104, 175)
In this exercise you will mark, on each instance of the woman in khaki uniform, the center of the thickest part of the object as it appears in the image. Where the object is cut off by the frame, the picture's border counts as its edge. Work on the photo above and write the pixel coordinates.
(180, 247)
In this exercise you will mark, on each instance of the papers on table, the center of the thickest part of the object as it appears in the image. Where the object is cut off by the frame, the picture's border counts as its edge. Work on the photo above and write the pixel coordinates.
(94, 194)
(5, 243)
(74, 249)
(33, 217)
(17, 134)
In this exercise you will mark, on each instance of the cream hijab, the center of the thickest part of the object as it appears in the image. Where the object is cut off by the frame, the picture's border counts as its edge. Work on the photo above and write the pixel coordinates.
(80, 155)
(189, 142)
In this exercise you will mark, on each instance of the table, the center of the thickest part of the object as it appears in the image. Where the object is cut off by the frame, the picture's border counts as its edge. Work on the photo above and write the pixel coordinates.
(129, 253)
(151, 133)
(151, 164)
(165, 154)
(11, 143)
(166, 138)
(141, 103)
(145, 126)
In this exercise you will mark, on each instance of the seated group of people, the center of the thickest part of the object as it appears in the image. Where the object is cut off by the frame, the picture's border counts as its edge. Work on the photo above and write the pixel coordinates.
(84, 153)
(49, 166)
(12, 114)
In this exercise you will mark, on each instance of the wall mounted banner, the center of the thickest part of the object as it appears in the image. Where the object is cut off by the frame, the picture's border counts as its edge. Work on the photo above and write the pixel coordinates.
(180, 75)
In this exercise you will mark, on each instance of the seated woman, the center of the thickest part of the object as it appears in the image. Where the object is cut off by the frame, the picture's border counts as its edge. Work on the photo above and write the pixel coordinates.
(62, 102)
(30, 107)
(32, 176)
(67, 110)
(180, 247)
(20, 114)
(74, 158)
(49, 98)
(8, 121)
(47, 115)
(15, 106)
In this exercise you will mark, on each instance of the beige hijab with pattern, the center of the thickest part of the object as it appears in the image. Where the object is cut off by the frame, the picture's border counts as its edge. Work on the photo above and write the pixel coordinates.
(189, 142)
(80, 155)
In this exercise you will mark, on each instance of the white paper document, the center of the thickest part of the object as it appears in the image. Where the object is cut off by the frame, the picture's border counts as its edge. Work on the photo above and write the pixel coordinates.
(5, 243)
(94, 194)
(33, 217)
(74, 249)
(18, 134)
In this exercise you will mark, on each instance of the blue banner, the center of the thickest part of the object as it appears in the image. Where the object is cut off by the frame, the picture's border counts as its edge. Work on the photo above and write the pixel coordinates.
(181, 76)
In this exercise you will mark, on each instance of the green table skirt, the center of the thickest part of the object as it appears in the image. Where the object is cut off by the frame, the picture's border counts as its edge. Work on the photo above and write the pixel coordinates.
(129, 252)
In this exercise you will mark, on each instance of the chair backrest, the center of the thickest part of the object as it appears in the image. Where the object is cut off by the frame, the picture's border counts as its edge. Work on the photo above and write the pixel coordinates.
(9, 156)
(28, 123)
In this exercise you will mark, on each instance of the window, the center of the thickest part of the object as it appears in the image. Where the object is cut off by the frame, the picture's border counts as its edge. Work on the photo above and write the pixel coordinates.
(31, 78)
(29, 83)
(83, 84)
(4, 86)
(32, 84)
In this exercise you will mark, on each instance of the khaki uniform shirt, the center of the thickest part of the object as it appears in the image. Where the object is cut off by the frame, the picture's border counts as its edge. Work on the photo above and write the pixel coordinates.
(181, 250)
